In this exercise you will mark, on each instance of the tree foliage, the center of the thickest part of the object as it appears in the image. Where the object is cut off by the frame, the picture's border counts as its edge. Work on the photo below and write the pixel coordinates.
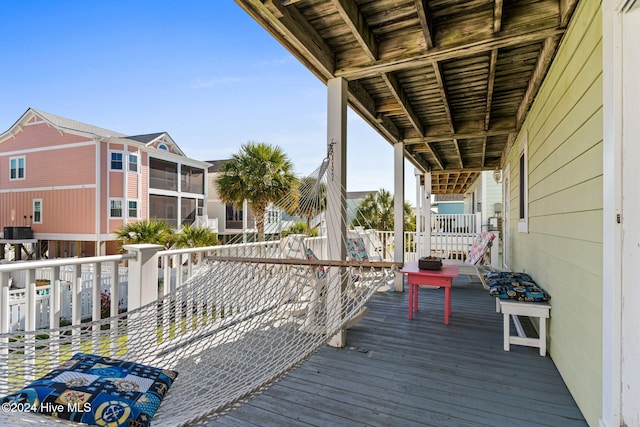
(312, 200)
(376, 211)
(259, 173)
(150, 230)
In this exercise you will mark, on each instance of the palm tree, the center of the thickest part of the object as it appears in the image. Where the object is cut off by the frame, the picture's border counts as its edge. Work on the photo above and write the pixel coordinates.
(195, 237)
(146, 231)
(376, 211)
(312, 199)
(261, 174)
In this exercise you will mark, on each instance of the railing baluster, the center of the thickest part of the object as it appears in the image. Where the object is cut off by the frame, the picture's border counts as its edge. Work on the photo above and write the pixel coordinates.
(76, 307)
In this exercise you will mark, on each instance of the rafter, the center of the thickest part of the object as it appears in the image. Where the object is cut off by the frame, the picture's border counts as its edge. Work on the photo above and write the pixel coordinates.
(539, 72)
(404, 102)
(497, 16)
(296, 34)
(425, 22)
(436, 156)
(350, 13)
(566, 10)
(462, 135)
(490, 83)
(437, 54)
(445, 101)
(362, 102)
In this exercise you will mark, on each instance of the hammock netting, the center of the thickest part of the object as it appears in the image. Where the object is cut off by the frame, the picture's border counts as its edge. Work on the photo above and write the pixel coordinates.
(234, 327)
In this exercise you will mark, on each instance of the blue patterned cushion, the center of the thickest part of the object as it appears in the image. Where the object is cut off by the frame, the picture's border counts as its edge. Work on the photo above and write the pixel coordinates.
(98, 391)
(517, 286)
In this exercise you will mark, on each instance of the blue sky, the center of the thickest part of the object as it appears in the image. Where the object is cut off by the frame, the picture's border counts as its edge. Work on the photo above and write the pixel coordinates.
(201, 70)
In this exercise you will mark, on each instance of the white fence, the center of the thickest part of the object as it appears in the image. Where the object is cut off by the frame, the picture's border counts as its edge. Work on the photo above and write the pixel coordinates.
(71, 289)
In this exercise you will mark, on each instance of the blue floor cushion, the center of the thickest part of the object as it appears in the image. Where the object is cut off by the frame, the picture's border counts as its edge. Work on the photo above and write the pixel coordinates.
(97, 390)
(516, 286)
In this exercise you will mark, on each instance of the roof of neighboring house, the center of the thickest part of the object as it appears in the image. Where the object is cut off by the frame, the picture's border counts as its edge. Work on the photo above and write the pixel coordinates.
(67, 125)
(448, 198)
(216, 165)
(146, 138)
(64, 123)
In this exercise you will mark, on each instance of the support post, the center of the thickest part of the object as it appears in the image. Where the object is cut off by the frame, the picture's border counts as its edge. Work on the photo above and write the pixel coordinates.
(398, 211)
(423, 213)
(336, 201)
(142, 290)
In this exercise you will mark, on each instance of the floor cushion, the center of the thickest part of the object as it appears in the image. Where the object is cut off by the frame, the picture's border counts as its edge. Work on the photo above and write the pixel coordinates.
(97, 390)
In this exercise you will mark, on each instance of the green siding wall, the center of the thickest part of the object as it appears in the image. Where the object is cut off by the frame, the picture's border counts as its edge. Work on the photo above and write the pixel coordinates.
(563, 248)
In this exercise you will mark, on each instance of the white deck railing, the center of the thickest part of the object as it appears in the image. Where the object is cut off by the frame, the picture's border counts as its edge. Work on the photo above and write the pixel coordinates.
(74, 286)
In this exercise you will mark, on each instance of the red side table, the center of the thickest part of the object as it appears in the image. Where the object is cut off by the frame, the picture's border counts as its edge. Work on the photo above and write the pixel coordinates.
(417, 277)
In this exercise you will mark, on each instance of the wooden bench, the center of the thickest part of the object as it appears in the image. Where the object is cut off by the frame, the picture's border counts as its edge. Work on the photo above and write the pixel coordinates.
(517, 294)
(511, 309)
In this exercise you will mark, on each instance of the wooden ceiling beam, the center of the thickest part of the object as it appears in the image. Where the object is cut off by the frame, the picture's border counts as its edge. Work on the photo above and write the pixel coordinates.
(398, 93)
(353, 18)
(437, 69)
(363, 104)
(295, 33)
(497, 16)
(566, 10)
(490, 84)
(435, 155)
(451, 136)
(437, 54)
(538, 75)
(426, 22)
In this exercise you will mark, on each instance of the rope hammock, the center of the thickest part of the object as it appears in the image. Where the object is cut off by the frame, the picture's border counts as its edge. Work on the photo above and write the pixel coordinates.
(234, 327)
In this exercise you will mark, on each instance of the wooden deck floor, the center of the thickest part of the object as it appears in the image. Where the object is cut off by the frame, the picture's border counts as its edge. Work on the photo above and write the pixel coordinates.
(396, 372)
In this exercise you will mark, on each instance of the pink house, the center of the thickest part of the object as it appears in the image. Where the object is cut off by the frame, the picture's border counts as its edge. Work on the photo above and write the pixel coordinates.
(67, 186)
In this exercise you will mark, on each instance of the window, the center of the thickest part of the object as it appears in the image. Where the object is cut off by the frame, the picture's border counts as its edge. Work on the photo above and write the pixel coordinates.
(163, 146)
(16, 167)
(115, 208)
(116, 160)
(523, 192)
(133, 162)
(37, 211)
(133, 209)
(200, 207)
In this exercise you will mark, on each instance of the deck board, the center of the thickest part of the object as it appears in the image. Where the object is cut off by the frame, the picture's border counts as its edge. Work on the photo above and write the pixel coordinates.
(394, 371)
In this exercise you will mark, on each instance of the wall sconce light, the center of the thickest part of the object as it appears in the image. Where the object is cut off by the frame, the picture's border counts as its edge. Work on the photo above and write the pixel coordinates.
(497, 176)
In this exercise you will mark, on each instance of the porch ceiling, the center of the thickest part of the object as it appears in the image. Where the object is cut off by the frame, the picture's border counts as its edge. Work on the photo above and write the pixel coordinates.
(451, 79)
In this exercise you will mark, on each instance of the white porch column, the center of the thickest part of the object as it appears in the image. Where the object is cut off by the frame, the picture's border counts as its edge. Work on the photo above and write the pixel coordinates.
(423, 213)
(142, 289)
(621, 214)
(336, 198)
(398, 211)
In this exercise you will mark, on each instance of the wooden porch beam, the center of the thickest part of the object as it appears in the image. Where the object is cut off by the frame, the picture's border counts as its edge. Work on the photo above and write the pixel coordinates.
(425, 22)
(295, 33)
(437, 54)
(364, 105)
(350, 13)
(497, 16)
(539, 72)
(566, 10)
(402, 99)
(490, 84)
(462, 135)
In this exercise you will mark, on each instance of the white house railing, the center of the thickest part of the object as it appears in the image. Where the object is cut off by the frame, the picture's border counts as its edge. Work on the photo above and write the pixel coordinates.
(70, 289)
(61, 289)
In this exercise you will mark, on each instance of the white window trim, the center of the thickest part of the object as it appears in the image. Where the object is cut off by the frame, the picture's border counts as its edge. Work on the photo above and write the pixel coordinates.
(24, 169)
(33, 211)
(523, 187)
(123, 161)
(137, 215)
(115, 199)
(129, 155)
